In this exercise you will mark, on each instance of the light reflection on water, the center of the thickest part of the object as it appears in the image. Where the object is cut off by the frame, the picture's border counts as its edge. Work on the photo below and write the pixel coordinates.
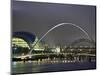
(38, 66)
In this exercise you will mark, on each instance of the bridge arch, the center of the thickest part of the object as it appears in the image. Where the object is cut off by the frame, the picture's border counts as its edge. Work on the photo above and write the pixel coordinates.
(62, 24)
(83, 40)
(74, 43)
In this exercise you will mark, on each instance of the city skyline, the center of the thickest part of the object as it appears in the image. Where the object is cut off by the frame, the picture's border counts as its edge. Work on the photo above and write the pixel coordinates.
(52, 37)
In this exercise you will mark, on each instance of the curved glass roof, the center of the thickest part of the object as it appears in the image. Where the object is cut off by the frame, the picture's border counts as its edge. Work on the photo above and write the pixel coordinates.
(27, 36)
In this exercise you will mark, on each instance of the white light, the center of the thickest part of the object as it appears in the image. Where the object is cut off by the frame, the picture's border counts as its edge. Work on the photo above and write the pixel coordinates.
(58, 49)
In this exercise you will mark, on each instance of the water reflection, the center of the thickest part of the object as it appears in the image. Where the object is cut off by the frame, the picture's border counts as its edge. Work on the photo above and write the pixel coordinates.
(47, 65)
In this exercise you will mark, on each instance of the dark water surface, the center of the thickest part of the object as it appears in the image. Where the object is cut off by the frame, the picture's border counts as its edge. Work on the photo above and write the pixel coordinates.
(34, 67)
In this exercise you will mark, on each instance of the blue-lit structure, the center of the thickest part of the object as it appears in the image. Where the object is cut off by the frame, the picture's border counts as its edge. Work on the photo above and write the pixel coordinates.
(26, 36)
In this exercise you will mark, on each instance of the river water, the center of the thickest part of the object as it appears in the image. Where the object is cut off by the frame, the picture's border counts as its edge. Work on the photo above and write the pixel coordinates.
(53, 66)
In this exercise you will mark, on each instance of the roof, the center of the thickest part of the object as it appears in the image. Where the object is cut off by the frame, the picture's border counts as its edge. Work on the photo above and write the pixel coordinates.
(26, 36)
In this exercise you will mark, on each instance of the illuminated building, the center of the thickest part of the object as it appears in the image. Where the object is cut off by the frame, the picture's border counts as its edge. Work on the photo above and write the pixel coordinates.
(26, 40)
(19, 42)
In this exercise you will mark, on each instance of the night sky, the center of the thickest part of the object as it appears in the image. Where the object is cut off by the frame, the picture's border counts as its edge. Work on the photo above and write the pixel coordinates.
(38, 18)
